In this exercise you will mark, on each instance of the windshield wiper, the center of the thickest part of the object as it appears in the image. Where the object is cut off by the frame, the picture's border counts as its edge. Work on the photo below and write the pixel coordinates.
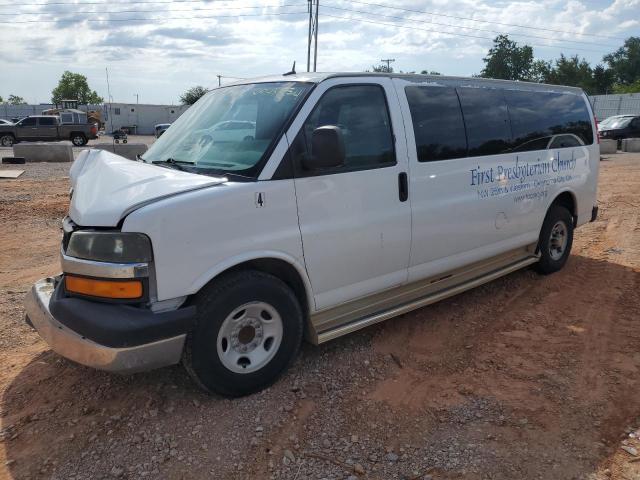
(172, 162)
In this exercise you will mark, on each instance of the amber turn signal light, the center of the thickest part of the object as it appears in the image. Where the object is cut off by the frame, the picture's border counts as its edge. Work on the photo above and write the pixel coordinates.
(128, 289)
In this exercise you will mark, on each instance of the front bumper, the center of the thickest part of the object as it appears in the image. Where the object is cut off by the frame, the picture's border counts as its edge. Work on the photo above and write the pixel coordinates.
(74, 346)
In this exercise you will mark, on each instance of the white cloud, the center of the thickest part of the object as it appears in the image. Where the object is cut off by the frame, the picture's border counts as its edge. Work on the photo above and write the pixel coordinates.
(162, 57)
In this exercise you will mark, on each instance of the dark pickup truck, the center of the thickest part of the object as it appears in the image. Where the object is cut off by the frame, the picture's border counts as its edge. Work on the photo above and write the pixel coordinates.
(46, 128)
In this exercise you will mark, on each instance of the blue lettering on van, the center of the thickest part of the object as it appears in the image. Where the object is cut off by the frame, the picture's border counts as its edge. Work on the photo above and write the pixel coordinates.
(480, 176)
(521, 171)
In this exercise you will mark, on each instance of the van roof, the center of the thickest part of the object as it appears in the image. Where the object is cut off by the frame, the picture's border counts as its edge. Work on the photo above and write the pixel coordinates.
(317, 77)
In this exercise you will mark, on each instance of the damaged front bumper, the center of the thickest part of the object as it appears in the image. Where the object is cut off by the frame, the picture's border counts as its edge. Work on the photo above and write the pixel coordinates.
(81, 349)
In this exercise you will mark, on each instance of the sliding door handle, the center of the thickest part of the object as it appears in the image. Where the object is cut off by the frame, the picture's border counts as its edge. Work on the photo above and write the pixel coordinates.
(403, 186)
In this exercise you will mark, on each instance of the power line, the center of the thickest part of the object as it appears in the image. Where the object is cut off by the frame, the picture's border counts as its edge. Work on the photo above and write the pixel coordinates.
(516, 34)
(46, 4)
(103, 12)
(484, 21)
(161, 19)
(388, 62)
(449, 33)
(152, 2)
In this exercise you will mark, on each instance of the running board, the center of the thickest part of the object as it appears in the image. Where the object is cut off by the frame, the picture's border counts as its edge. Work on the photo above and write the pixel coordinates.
(363, 322)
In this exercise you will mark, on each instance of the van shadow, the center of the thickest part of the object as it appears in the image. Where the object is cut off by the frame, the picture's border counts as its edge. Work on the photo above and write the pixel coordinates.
(59, 417)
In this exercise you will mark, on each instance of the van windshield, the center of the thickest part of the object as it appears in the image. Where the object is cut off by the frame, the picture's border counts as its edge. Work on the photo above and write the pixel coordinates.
(229, 130)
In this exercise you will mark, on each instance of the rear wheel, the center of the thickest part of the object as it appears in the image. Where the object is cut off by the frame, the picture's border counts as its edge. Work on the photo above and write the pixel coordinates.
(248, 330)
(556, 239)
(6, 140)
(78, 139)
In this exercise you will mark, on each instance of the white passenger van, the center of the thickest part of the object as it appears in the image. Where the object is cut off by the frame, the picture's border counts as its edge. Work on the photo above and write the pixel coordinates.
(353, 199)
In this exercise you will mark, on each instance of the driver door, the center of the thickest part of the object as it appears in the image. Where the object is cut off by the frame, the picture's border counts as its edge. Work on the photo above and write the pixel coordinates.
(355, 219)
(27, 129)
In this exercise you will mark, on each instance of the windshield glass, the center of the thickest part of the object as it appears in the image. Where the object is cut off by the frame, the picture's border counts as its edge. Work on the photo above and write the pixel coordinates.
(229, 129)
(616, 122)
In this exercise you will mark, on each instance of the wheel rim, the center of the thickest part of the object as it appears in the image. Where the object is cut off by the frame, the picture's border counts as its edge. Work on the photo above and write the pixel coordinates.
(249, 337)
(78, 140)
(558, 240)
(6, 141)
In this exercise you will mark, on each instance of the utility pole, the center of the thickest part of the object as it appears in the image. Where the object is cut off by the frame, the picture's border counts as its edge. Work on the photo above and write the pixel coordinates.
(110, 100)
(388, 62)
(313, 33)
(219, 80)
(137, 98)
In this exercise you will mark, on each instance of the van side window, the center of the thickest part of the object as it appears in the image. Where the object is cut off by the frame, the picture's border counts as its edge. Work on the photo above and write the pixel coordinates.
(437, 123)
(486, 119)
(539, 116)
(361, 113)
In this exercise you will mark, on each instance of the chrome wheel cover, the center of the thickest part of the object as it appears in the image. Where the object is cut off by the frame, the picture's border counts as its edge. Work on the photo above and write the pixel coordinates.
(558, 240)
(249, 337)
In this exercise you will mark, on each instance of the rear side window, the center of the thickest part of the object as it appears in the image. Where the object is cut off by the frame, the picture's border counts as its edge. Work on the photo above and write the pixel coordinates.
(28, 122)
(486, 119)
(361, 113)
(437, 123)
(558, 120)
(47, 122)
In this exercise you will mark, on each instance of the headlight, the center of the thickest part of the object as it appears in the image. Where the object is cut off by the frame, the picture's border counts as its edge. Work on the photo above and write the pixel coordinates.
(115, 247)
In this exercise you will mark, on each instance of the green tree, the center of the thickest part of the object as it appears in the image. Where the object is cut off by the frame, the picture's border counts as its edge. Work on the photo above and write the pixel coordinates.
(631, 88)
(572, 71)
(603, 80)
(508, 61)
(74, 86)
(540, 71)
(192, 95)
(15, 100)
(1, 99)
(625, 62)
(431, 72)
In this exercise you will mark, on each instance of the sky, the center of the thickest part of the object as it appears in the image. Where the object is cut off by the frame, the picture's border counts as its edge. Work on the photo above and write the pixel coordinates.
(158, 49)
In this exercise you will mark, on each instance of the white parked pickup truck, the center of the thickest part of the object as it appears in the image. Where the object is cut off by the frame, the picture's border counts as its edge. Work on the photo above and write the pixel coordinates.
(354, 199)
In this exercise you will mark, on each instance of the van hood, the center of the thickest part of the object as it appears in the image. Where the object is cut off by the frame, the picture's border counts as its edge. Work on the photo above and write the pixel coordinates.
(107, 187)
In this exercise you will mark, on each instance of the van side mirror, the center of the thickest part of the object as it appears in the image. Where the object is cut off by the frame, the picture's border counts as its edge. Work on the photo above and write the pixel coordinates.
(327, 149)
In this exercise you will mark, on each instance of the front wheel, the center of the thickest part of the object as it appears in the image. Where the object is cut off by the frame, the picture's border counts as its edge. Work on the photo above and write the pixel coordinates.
(556, 239)
(248, 330)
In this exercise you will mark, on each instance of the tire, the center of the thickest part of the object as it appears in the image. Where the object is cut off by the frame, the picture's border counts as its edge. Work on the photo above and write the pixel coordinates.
(7, 140)
(78, 139)
(248, 330)
(556, 239)
(124, 141)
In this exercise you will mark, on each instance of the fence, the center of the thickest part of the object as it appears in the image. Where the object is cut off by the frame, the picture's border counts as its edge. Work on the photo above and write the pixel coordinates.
(138, 118)
(621, 104)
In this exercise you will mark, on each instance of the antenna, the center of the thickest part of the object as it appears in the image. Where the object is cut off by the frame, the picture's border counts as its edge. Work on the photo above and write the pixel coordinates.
(293, 70)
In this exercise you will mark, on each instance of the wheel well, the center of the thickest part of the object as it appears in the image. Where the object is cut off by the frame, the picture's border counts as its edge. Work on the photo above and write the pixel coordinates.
(72, 134)
(280, 269)
(566, 200)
